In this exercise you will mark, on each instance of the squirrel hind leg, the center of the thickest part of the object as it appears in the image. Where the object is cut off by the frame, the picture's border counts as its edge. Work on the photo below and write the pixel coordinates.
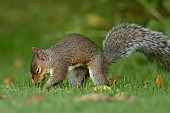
(77, 76)
(97, 71)
(98, 78)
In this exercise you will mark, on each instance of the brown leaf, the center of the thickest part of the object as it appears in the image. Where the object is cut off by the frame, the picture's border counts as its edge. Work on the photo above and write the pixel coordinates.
(147, 82)
(8, 80)
(159, 80)
(102, 97)
(4, 96)
(112, 80)
(35, 98)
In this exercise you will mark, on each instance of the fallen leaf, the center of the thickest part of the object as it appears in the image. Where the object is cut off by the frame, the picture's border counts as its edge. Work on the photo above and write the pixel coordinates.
(102, 97)
(4, 96)
(147, 82)
(112, 80)
(8, 80)
(102, 88)
(159, 80)
(35, 98)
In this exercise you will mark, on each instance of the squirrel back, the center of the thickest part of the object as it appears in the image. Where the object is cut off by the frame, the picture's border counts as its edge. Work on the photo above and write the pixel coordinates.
(126, 38)
(74, 49)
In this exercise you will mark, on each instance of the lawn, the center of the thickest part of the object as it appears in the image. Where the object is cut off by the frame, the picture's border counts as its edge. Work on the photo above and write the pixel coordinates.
(41, 24)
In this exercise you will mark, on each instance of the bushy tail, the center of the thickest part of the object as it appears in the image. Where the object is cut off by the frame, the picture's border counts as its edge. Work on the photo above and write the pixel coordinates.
(126, 38)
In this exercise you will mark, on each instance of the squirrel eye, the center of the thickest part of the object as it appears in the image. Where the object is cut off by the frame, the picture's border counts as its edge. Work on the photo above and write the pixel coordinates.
(38, 70)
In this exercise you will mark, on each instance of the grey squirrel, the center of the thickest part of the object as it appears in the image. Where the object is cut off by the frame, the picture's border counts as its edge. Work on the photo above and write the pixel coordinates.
(78, 56)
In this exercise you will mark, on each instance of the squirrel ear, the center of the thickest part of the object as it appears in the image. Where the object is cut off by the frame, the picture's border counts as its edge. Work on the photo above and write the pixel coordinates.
(40, 54)
(34, 50)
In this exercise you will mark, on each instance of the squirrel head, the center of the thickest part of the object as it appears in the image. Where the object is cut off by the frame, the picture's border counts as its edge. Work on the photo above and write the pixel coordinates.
(38, 66)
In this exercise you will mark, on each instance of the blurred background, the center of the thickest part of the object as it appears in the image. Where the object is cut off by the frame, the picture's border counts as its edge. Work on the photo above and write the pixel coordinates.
(41, 23)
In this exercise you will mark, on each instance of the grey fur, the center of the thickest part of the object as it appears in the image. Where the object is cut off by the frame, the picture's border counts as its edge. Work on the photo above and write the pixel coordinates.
(77, 76)
(77, 50)
(74, 49)
(126, 38)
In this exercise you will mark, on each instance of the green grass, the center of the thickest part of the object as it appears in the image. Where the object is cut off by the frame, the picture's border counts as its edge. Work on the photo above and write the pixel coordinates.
(43, 23)
(148, 98)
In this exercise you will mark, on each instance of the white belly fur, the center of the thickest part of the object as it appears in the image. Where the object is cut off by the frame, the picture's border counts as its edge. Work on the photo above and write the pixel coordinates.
(75, 66)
